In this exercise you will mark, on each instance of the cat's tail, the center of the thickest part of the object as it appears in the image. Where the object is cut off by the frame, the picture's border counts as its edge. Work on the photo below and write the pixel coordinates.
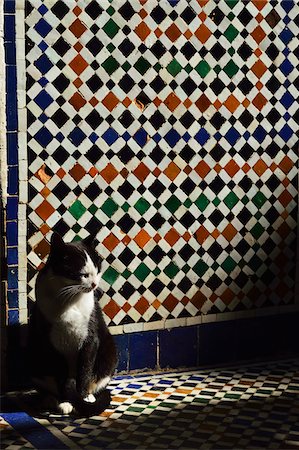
(86, 408)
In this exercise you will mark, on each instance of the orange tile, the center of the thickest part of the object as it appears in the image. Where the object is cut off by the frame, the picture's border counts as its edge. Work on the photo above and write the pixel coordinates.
(77, 82)
(172, 171)
(203, 103)
(227, 296)
(142, 238)
(259, 101)
(110, 242)
(258, 52)
(203, 33)
(126, 307)
(44, 229)
(157, 172)
(215, 233)
(217, 104)
(188, 34)
(77, 28)
(202, 169)
(259, 69)
(260, 4)
(142, 31)
(42, 249)
(187, 103)
(285, 198)
(259, 85)
(142, 13)
(286, 182)
(78, 47)
(172, 101)
(141, 172)
(173, 32)
(77, 11)
(142, 305)
(78, 64)
(126, 240)
(258, 34)
(202, 16)
(260, 167)
(232, 168)
(93, 101)
(285, 214)
(126, 102)
(246, 103)
(170, 302)
(111, 309)
(187, 169)
(45, 210)
(157, 238)
(158, 32)
(229, 232)
(42, 174)
(60, 173)
(202, 234)
(109, 173)
(157, 101)
(156, 304)
(93, 172)
(231, 103)
(124, 173)
(77, 101)
(286, 164)
(110, 101)
(172, 237)
(186, 236)
(45, 192)
(246, 168)
(77, 172)
(217, 168)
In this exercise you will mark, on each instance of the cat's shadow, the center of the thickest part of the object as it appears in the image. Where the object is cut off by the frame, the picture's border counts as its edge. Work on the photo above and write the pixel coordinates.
(31, 403)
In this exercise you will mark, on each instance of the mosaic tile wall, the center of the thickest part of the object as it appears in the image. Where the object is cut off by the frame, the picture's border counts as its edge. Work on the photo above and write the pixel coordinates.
(169, 127)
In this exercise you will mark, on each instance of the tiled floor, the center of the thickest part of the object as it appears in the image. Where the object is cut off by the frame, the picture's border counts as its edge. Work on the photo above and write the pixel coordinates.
(251, 406)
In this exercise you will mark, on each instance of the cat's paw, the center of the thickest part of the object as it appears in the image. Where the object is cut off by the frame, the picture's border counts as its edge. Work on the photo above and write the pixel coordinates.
(90, 398)
(65, 407)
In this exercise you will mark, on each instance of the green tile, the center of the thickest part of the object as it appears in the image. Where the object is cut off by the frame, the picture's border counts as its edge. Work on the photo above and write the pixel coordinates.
(174, 67)
(173, 203)
(216, 201)
(200, 268)
(257, 230)
(228, 264)
(202, 202)
(109, 207)
(126, 274)
(231, 68)
(126, 66)
(231, 200)
(76, 228)
(77, 209)
(110, 11)
(203, 68)
(259, 199)
(111, 28)
(92, 209)
(231, 33)
(142, 272)
(171, 270)
(188, 68)
(142, 206)
(125, 206)
(156, 271)
(231, 3)
(110, 275)
(187, 203)
(110, 65)
(142, 65)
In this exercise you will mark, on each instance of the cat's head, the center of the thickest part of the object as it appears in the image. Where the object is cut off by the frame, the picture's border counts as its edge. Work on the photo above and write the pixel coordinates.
(77, 262)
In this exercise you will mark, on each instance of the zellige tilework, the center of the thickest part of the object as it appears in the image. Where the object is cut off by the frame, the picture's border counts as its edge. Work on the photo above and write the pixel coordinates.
(169, 127)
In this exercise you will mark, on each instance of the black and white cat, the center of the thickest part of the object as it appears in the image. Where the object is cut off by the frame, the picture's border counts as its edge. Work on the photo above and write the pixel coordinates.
(72, 353)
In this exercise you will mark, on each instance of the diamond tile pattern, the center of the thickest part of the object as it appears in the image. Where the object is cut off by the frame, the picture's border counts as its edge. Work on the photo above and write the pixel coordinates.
(169, 127)
(244, 407)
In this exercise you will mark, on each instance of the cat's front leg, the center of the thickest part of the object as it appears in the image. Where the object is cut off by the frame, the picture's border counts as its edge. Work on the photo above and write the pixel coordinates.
(85, 369)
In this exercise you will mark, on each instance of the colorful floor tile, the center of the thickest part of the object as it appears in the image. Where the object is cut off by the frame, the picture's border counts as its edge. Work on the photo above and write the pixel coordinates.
(251, 406)
(171, 128)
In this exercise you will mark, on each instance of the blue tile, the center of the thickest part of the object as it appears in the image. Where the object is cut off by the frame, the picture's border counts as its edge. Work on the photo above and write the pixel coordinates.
(12, 256)
(122, 344)
(9, 6)
(12, 148)
(10, 53)
(11, 111)
(9, 28)
(11, 80)
(12, 278)
(13, 299)
(178, 347)
(12, 180)
(12, 208)
(13, 317)
(143, 350)
(12, 233)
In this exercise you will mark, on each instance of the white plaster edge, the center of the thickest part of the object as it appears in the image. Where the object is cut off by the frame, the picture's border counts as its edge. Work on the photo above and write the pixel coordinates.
(3, 159)
(22, 160)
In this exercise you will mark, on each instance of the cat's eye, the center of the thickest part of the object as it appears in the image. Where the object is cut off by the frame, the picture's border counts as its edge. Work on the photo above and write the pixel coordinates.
(84, 275)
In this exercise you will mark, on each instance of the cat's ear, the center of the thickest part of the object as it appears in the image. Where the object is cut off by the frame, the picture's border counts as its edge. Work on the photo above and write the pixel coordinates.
(56, 241)
(90, 241)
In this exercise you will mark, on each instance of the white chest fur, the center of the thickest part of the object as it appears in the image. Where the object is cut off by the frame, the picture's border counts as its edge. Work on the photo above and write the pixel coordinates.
(70, 329)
